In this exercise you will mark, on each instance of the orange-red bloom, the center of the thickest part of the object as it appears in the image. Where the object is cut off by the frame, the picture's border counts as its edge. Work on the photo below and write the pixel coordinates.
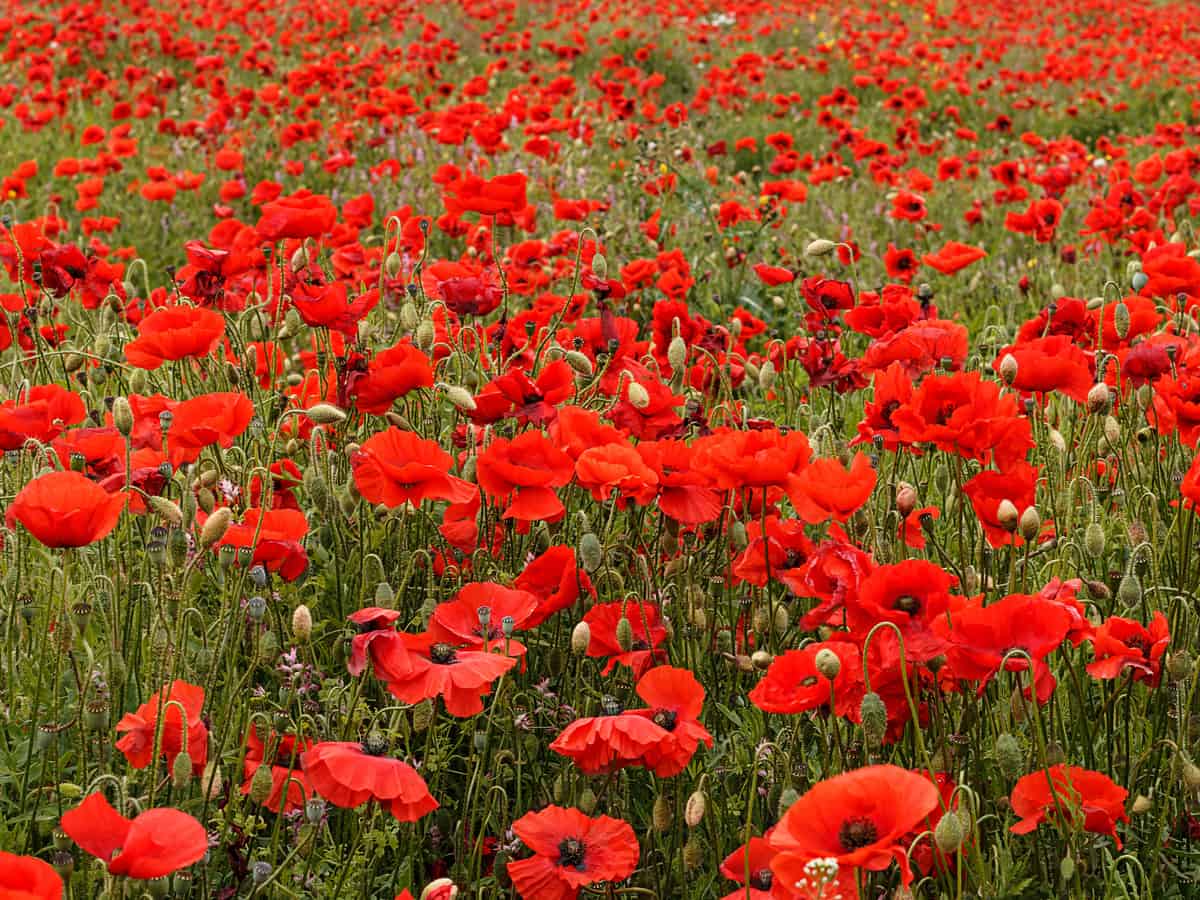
(155, 843)
(28, 878)
(396, 467)
(1073, 792)
(65, 509)
(289, 785)
(177, 332)
(140, 727)
(570, 851)
(349, 774)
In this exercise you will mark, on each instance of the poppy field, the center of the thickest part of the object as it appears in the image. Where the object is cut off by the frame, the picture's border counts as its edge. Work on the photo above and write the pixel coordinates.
(611, 449)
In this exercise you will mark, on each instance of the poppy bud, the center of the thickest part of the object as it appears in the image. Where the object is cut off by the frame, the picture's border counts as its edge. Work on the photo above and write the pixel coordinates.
(1066, 868)
(422, 716)
(177, 547)
(410, 319)
(873, 714)
(738, 539)
(661, 814)
(761, 659)
(906, 498)
(1007, 515)
(697, 805)
(624, 633)
(767, 375)
(261, 784)
(302, 623)
(459, 396)
(1179, 665)
(591, 554)
(579, 363)
(1141, 804)
(752, 370)
(1055, 754)
(1139, 281)
(781, 619)
(1121, 320)
(819, 247)
(1009, 756)
(1093, 540)
(1129, 591)
(1099, 399)
(168, 510)
(693, 853)
(1008, 368)
(639, 397)
(677, 352)
(216, 526)
(393, 264)
(439, 889)
(325, 414)
(1057, 441)
(949, 833)
(122, 414)
(787, 797)
(1097, 589)
(1191, 774)
(425, 335)
(1030, 523)
(181, 770)
(828, 663)
(600, 266)
(587, 802)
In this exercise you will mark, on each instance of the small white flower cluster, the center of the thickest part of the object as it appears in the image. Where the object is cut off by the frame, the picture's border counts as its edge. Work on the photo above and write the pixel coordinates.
(819, 874)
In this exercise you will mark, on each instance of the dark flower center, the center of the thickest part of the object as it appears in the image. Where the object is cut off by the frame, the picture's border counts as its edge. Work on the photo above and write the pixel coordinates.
(907, 603)
(761, 880)
(639, 644)
(945, 412)
(856, 833)
(375, 744)
(443, 654)
(1139, 643)
(570, 854)
(665, 719)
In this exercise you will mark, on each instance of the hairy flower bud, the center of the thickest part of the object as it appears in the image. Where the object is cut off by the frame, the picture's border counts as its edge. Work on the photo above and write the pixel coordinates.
(591, 554)
(261, 784)
(325, 414)
(1008, 368)
(677, 352)
(1129, 591)
(697, 805)
(122, 414)
(167, 509)
(828, 663)
(1007, 515)
(906, 498)
(214, 529)
(1030, 523)
(819, 247)
(624, 634)
(639, 397)
(949, 833)
(1099, 399)
(581, 637)
(459, 396)
(767, 375)
(181, 770)
(1009, 756)
(660, 815)
(302, 623)
(874, 717)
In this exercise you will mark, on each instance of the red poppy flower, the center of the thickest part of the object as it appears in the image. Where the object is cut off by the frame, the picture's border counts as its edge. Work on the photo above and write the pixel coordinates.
(282, 753)
(648, 633)
(1071, 791)
(65, 509)
(773, 276)
(466, 290)
(751, 459)
(857, 819)
(396, 467)
(458, 622)
(616, 467)
(981, 637)
(988, 489)
(556, 580)
(953, 257)
(349, 774)
(910, 594)
(760, 853)
(372, 623)
(825, 489)
(1040, 219)
(419, 667)
(900, 264)
(602, 744)
(1124, 645)
(206, 420)
(28, 878)
(177, 332)
(502, 194)
(1052, 363)
(329, 306)
(961, 413)
(793, 684)
(302, 215)
(832, 573)
(675, 699)
(523, 473)
(1170, 271)
(655, 418)
(155, 843)
(826, 295)
(140, 727)
(570, 852)
(276, 536)
(40, 413)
